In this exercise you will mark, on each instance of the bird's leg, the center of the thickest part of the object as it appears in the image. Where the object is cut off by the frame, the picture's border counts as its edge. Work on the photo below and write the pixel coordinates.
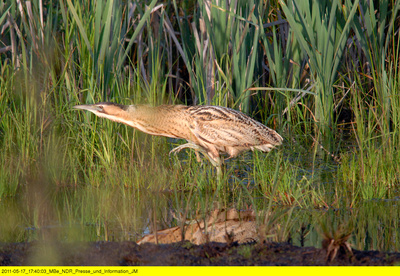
(219, 172)
(196, 148)
(187, 145)
(215, 161)
(198, 157)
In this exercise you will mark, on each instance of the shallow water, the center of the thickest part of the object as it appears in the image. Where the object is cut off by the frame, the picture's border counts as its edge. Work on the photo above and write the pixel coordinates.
(104, 214)
(119, 212)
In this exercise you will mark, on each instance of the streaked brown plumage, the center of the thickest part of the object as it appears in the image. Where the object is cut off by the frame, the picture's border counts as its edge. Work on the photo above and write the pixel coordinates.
(209, 129)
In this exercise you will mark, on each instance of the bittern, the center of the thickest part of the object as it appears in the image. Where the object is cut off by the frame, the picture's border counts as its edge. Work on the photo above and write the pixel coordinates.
(209, 129)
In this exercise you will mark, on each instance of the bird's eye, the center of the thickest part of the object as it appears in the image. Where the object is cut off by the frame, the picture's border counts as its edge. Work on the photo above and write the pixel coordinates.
(101, 107)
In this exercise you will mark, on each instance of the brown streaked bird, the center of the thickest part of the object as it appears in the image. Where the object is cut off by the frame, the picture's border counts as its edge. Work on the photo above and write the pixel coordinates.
(209, 129)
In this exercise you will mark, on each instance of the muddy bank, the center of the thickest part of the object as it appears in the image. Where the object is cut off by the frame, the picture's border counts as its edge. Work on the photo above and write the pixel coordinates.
(183, 254)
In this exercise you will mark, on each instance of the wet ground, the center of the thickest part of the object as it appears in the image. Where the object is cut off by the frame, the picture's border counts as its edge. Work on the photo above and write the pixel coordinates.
(183, 254)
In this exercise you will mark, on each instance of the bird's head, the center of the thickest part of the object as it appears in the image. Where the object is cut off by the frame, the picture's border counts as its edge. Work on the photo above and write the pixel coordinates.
(111, 111)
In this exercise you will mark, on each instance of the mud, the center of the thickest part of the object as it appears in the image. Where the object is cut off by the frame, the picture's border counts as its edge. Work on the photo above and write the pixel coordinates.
(183, 254)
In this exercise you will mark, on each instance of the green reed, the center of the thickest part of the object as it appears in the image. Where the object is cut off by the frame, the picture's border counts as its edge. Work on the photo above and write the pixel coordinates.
(100, 180)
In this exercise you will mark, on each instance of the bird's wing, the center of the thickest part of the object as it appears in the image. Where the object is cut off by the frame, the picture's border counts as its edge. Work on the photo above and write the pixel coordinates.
(225, 127)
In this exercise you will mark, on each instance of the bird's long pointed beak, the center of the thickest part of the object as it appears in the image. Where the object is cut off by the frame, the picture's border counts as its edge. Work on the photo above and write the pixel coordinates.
(88, 107)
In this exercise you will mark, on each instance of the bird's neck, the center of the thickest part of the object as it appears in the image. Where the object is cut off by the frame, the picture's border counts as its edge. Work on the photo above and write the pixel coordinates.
(164, 120)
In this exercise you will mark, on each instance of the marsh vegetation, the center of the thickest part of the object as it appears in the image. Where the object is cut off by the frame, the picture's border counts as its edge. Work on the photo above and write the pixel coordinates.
(324, 74)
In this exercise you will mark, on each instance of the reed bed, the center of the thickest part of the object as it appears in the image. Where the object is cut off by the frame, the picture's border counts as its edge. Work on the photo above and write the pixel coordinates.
(325, 75)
